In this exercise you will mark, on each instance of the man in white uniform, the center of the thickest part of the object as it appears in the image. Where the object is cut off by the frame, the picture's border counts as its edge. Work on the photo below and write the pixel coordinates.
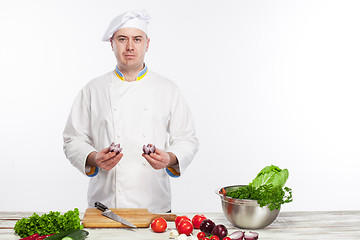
(132, 106)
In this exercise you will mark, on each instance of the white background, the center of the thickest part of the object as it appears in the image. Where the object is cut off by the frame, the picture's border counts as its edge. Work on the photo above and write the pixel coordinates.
(268, 82)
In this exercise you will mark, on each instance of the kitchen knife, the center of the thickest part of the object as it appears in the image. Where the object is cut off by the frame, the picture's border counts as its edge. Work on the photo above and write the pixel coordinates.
(108, 213)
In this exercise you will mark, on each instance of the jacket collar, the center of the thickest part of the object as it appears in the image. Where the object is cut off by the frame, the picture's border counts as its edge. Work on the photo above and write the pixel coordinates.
(140, 75)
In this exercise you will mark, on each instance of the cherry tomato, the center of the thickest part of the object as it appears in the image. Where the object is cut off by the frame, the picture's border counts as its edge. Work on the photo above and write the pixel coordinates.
(178, 219)
(159, 225)
(185, 227)
(214, 237)
(226, 238)
(205, 238)
(196, 220)
(201, 235)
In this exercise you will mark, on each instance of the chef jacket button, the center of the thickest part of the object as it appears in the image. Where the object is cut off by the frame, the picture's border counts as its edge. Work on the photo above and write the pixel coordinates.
(118, 135)
(110, 85)
(115, 109)
(144, 135)
(144, 163)
(119, 189)
(145, 108)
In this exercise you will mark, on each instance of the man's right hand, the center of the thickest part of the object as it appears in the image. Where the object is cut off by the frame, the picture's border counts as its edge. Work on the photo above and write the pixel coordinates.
(103, 159)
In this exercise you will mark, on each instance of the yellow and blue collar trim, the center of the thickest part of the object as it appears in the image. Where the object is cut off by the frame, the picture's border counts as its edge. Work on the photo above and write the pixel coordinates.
(140, 75)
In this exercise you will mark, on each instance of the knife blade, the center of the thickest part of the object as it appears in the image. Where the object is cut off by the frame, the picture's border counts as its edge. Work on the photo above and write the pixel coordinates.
(108, 213)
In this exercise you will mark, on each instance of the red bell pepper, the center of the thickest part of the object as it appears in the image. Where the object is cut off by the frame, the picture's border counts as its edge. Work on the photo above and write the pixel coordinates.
(31, 237)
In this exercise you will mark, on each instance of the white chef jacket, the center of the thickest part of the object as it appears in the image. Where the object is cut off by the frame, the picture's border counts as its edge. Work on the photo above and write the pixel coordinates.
(151, 110)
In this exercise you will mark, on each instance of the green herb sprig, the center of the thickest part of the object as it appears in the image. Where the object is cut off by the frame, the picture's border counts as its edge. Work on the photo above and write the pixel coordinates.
(48, 223)
(266, 195)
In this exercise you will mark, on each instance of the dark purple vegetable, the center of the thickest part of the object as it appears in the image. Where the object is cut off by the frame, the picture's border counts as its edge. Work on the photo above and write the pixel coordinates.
(251, 236)
(220, 231)
(147, 149)
(115, 148)
(238, 235)
(207, 226)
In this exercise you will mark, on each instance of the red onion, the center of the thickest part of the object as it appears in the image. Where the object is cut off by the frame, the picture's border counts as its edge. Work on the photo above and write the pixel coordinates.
(207, 226)
(251, 236)
(147, 149)
(220, 231)
(238, 235)
(115, 148)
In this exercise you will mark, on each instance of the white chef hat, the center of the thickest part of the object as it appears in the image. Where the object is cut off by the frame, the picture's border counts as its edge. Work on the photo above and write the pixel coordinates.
(135, 19)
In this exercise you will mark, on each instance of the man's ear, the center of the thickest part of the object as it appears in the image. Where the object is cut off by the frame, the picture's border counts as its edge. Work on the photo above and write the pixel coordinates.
(147, 43)
(111, 42)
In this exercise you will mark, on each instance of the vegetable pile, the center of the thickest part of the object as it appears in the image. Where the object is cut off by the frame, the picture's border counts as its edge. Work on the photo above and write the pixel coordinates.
(48, 223)
(267, 188)
(208, 230)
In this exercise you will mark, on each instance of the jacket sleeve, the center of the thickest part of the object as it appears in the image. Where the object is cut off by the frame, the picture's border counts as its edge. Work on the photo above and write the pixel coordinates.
(78, 142)
(182, 141)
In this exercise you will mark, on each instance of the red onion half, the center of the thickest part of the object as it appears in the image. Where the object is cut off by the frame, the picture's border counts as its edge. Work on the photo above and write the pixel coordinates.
(238, 235)
(115, 148)
(147, 149)
(251, 236)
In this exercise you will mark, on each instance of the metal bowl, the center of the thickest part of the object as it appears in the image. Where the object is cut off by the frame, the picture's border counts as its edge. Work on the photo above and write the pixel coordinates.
(245, 213)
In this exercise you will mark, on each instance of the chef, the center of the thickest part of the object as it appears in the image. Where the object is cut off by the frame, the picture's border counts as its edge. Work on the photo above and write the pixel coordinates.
(131, 106)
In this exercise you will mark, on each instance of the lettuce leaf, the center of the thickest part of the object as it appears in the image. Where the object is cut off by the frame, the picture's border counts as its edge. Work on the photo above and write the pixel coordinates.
(271, 175)
(267, 188)
(48, 223)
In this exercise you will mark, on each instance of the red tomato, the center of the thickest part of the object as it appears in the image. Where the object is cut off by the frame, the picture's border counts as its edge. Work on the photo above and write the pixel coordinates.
(159, 225)
(201, 235)
(205, 238)
(214, 237)
(185, 227)
(178, 219)
(226, 238)
(197, 219)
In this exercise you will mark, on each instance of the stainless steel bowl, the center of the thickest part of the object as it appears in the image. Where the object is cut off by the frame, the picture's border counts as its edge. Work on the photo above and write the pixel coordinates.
(244, 213)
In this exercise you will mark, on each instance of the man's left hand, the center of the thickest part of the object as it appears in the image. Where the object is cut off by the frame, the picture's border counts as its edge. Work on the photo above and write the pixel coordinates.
(160, 159)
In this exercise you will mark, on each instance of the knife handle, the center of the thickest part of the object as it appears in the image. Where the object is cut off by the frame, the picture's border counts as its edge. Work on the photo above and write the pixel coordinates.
(101, 206)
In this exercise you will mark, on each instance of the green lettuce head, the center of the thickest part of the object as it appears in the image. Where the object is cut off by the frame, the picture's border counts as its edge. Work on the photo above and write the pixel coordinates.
(271, 175)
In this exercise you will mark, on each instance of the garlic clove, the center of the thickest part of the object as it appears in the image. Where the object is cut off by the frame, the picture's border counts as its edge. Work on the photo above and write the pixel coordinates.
(173, 234)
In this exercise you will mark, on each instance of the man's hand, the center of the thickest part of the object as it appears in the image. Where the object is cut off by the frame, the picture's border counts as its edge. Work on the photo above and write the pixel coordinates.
(160, 159)
(104, 159)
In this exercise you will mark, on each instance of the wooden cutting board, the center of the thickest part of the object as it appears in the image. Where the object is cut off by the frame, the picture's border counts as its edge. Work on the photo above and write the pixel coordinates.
(140, 217)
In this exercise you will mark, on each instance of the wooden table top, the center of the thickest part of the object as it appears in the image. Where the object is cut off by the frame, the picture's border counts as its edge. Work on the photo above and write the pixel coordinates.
(288, 225)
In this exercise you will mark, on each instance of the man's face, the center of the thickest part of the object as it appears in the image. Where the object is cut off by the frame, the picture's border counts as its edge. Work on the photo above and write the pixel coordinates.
(129, 46)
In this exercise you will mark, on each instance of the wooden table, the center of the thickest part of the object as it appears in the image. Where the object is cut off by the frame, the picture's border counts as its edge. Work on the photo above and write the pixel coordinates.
(288, 225)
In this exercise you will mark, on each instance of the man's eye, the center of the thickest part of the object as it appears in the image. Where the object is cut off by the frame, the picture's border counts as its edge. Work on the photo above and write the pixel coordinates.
(137, 39)
(121, 39)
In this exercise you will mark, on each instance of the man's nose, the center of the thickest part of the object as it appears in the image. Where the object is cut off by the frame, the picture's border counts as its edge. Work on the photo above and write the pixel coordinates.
(130, 45)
